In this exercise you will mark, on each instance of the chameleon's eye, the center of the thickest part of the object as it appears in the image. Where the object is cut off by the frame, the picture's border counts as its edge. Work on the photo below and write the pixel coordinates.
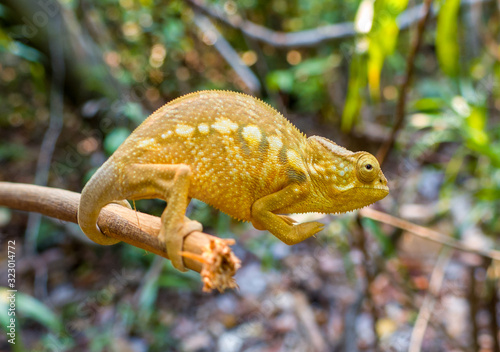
(367, 168)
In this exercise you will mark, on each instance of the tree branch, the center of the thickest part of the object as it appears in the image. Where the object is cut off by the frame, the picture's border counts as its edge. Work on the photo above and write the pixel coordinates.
(427, 234)
(206, 254)
(308, 37)
(429, 303)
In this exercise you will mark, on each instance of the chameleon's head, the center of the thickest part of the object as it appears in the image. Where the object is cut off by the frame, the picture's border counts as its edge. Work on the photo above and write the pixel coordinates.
(348, 180)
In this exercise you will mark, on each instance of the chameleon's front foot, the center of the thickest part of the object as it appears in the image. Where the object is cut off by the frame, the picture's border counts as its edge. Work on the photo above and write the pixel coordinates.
(173, 237)
(286, 229)
(303, 231)
(282, 226)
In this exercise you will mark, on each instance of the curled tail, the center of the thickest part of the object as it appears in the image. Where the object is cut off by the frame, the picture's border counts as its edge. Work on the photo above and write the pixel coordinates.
(103, 188)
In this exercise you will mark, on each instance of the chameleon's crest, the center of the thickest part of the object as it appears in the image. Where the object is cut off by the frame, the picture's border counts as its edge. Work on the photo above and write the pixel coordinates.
(331, 146)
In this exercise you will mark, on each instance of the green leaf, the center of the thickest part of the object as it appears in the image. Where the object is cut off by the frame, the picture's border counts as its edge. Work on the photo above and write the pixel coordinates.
(29, 307)
(447, 37)
(26, 52)
(383, 38)
(148, 295)
(312, 67)
(488, 194)
(383, 240)
(476, 123)
(281, 80)
(115, 139)
(32, 308)
(354, 100)
(429, 104)
(133, 111)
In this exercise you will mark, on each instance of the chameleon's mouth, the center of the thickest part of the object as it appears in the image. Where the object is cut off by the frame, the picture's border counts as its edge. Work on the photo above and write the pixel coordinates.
(375, 192)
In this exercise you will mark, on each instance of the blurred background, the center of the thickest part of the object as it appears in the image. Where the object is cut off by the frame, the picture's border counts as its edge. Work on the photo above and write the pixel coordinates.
(417, 87)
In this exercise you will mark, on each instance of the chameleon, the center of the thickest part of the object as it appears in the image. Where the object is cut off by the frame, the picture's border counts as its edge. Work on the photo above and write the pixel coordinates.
(237, 154)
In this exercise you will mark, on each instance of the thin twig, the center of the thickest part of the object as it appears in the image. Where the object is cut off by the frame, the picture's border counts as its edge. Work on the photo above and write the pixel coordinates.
(55, 126)
(370, 273)
(426, 233)
(227, 52)
(427, 308)
(473, 305)
(405, 85)
(493, 286)
(350, 336)
(409, 302)
(306, 317)
(121, 223)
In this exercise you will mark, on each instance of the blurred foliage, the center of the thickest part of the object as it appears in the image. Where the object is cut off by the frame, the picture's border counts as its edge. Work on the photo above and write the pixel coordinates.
(446, 159)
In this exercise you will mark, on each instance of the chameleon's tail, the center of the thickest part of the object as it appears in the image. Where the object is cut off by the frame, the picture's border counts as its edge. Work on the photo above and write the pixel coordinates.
(100, 190)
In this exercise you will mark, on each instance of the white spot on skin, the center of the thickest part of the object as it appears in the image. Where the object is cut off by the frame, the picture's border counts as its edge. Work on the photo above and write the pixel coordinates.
(146, 142)
(341, 173)
(224, 126)
(185, 131)
(252, 135)
(203, 128)
(294, 159)
(275, 144)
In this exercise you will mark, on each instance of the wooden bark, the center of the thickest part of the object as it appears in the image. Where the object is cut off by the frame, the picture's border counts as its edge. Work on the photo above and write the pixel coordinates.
(204, 253)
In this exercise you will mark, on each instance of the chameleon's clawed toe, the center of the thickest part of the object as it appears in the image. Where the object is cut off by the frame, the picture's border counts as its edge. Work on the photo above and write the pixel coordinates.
(307, 229)
(290, 221)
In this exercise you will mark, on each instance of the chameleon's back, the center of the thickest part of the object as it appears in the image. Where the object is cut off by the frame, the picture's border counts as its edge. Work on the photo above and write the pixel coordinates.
(239, 148)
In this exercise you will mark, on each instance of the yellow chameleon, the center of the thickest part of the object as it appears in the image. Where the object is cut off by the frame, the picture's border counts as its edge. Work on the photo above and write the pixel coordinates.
(241, 156)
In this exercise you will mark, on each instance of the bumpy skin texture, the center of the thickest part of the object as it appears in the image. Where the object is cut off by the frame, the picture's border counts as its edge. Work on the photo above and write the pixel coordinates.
(241, 156)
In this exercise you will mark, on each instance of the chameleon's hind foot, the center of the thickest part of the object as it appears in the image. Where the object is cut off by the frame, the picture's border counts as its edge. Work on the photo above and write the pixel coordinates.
(174, 240)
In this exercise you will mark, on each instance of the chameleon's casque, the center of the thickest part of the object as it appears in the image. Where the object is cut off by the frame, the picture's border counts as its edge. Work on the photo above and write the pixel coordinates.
(237, 154)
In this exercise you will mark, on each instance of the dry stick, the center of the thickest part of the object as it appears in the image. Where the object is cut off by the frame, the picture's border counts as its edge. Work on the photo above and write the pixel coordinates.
(436, 324)
(427, 308)
(212, 256)
(405, 85)
(306, 317)
(473, 307)
(495, 319)
(426, 233)
(370, 278)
